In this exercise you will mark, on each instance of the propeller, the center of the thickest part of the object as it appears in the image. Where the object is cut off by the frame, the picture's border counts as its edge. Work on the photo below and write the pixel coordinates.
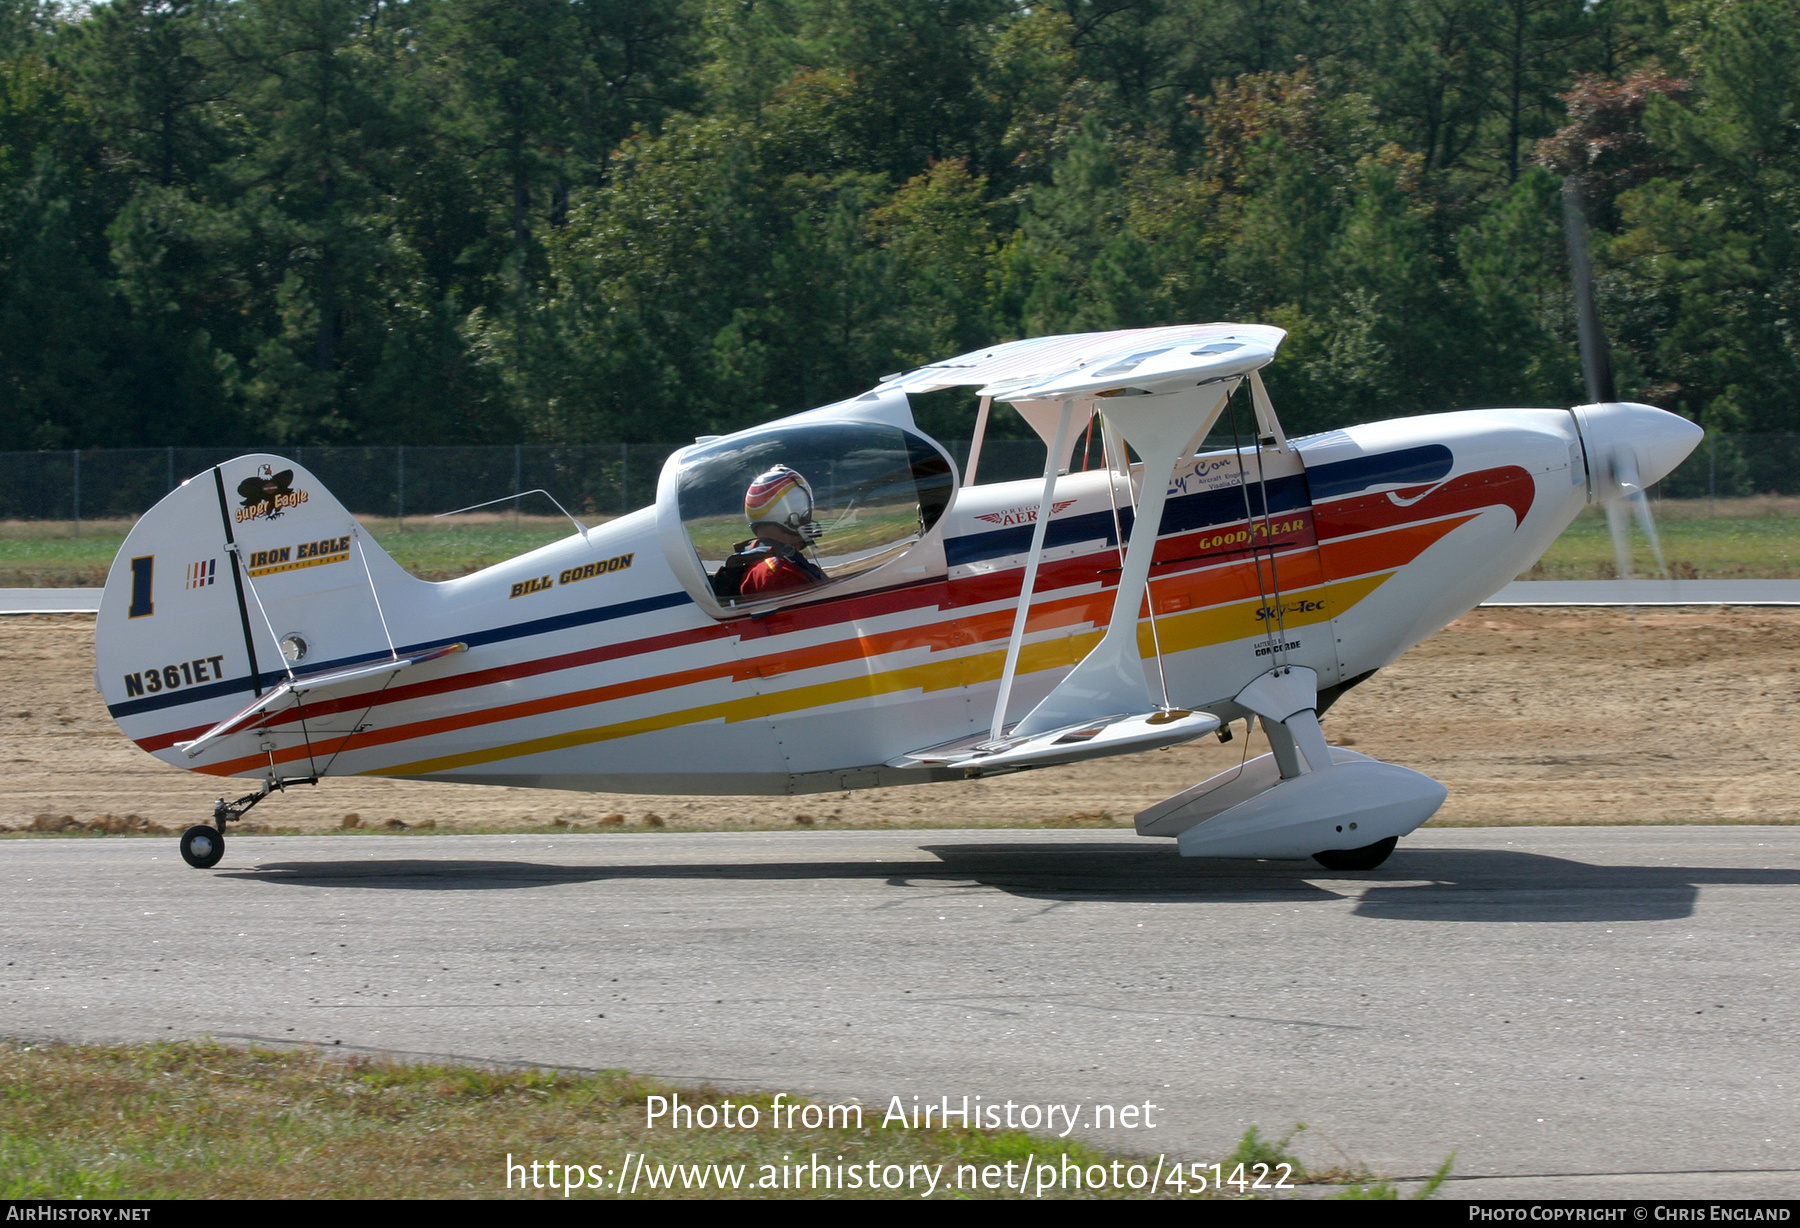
(1628, 446)
(1631, 491)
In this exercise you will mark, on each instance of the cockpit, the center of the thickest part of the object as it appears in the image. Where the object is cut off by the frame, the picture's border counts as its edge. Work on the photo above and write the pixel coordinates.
(801, 505)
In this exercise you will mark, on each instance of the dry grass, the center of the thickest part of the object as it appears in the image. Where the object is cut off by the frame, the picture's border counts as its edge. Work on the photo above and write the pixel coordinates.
(1529, 716)
(680, 817)
(200, 1120)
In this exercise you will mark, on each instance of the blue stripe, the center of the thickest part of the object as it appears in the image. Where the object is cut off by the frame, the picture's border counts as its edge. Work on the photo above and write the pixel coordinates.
(1226, 505)
(1182, 514)
(1087, 527)
(1407, 467)
(537, 626)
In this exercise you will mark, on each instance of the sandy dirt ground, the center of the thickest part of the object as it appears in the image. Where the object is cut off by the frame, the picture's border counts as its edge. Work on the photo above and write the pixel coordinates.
(1529, 716)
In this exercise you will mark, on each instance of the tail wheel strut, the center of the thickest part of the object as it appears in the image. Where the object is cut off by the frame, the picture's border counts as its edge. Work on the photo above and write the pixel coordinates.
(202, 846)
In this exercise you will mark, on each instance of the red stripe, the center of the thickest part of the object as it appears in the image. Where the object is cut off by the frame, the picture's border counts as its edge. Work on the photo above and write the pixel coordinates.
(1506, 485)
(475, 678)
(1182, 554)
(995, 625)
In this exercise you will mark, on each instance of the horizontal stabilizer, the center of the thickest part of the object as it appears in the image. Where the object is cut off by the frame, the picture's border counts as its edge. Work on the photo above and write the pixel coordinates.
(295, 689)
(1111, 735)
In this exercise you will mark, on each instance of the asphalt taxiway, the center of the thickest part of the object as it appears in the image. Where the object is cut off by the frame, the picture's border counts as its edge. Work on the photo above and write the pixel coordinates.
(1598, 1011)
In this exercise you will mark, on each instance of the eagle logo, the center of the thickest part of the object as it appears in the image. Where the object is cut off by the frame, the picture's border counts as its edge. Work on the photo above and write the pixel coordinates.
(266, 492)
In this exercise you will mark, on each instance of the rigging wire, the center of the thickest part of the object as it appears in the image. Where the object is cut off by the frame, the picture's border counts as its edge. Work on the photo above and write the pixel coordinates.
(1237, 449)
(344, 745)
(251, 585)
(1280, 653)
(355, 532)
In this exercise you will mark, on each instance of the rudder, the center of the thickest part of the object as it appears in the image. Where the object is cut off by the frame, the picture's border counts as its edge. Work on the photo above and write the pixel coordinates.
(246, 570)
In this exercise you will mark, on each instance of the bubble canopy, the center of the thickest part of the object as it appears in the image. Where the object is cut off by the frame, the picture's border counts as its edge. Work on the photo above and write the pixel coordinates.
(876, 490)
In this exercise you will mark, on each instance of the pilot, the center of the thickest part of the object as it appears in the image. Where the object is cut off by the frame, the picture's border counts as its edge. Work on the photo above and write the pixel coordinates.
(779, 507)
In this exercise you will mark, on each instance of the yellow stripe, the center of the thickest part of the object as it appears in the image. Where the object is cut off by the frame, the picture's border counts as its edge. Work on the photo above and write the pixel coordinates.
(1221, 624)
(1180, 632)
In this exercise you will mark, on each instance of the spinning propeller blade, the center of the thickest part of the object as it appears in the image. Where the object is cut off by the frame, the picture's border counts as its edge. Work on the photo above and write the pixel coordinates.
(1613, 448)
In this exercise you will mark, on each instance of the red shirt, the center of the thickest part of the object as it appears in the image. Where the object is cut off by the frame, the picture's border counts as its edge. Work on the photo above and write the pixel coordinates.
(774, 575)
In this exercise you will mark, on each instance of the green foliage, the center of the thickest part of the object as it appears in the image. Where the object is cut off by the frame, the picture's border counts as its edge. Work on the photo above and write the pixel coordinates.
(1382, 1190)
(1714, 252)
(307, 221)
(1253, 1150)
(200, 1120)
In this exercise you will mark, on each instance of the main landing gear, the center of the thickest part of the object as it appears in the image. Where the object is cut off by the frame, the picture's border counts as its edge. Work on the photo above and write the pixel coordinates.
(202, 845)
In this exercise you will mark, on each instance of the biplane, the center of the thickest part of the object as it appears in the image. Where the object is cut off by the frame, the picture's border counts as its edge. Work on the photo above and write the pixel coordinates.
(830, 602)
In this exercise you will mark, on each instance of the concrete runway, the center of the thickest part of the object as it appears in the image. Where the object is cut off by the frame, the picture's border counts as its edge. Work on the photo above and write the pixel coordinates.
(1585, 1011)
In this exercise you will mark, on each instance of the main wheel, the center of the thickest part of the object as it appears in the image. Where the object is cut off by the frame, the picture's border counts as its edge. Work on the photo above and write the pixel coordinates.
(1365, 858)
(202, 846)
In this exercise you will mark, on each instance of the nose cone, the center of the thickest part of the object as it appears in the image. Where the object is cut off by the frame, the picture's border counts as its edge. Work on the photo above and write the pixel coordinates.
(1630, 446)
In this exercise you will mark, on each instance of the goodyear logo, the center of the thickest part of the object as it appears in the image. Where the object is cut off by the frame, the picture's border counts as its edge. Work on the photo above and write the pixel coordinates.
(1256, 531)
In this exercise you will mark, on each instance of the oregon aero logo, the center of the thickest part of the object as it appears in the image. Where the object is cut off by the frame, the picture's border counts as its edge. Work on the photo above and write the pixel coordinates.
(1024, 515)
(266, 494)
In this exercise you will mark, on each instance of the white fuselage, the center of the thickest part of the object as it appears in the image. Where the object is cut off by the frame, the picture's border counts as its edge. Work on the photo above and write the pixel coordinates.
(599, 662)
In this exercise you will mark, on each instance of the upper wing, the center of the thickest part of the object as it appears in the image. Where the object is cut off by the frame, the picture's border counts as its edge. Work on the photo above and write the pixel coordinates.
(1078, 364)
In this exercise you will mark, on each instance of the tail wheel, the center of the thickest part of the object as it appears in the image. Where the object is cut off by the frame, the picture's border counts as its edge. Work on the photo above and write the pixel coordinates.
(1365, 858)
(202, 846)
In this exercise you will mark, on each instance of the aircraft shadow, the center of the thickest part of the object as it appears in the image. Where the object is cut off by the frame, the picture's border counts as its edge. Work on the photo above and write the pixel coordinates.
(1423, 884)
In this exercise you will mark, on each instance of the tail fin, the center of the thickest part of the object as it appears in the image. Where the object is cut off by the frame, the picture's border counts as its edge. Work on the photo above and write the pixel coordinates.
(244, 572)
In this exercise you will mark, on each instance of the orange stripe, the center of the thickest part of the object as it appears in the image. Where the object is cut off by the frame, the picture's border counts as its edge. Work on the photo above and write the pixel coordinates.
(1238, 581)
(1067, 611)
(1383, 551)
(1216, 624)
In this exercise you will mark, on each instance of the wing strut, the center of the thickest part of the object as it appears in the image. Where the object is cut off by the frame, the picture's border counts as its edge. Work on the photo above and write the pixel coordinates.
(981, 425)
(1053, 460)
(1110, 679)
(1110, 442)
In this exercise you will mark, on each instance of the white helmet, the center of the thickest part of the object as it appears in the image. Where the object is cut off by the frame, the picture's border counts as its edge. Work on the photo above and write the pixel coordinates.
(782, 497)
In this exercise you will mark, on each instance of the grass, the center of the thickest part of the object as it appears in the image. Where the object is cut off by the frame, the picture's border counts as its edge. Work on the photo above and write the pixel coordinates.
(1377, 1189)
(444, 549)
(47, 554)
(1728, 539)
(1702, 539)
(201, 1120)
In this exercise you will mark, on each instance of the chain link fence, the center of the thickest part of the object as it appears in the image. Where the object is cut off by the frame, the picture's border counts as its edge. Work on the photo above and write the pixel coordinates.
(604, 480)
(596, 481)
